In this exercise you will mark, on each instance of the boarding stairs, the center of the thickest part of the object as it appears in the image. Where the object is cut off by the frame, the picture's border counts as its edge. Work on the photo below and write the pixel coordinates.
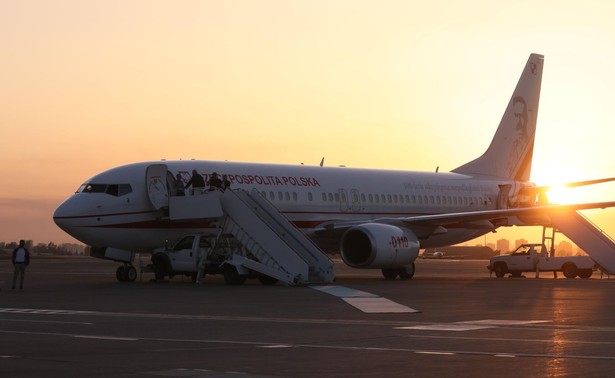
(274, 246)
(581, 231)
(254, 235)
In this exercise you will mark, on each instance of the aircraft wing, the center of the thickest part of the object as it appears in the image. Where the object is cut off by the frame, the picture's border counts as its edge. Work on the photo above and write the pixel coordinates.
(425, 225)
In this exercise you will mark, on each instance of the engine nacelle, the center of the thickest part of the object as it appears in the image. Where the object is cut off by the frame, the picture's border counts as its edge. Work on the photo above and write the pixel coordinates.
(376, 245)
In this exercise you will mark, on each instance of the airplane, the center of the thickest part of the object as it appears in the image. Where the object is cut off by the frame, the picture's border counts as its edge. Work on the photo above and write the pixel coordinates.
(374, 218)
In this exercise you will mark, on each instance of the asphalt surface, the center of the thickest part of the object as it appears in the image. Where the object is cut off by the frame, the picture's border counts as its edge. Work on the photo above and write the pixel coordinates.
(74, 319)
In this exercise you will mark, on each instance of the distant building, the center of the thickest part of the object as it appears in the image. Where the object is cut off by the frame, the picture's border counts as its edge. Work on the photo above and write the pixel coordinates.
(503, 245)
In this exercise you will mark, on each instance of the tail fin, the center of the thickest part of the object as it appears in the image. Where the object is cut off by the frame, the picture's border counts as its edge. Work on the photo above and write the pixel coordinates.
(510, 153)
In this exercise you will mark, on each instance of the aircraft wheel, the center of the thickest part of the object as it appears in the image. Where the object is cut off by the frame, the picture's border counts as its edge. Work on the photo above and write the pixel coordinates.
(406, 272)
(569, 270)
(499, 270)
(120, 273)
(130, 274)
(389, 274)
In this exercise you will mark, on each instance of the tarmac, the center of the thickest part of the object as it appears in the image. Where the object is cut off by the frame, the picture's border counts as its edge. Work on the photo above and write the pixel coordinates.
(452, 319)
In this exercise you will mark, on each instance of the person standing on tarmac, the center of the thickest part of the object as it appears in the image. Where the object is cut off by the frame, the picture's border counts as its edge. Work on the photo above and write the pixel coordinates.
(197, 181)
(21, 259)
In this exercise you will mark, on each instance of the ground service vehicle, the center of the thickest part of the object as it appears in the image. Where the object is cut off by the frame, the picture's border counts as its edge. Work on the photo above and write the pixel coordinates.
(194, 252)
(535, 258)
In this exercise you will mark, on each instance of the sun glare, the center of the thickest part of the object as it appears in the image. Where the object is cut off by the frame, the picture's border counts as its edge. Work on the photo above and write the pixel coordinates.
(562, 195)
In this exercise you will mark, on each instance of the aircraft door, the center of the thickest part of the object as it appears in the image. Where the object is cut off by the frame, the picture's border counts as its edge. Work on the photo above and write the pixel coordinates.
(343, 199)
(156, 184)
(503, 195)
(355, 196)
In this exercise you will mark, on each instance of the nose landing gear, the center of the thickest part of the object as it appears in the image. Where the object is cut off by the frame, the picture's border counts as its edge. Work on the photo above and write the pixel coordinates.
(126, 273)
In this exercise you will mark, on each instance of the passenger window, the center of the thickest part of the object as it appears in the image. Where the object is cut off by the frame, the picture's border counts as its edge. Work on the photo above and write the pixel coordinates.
(330, 197)
(280, 196)
(310, 196)
(294, 196)
(337, 197)
(324, 197)
(287, 196)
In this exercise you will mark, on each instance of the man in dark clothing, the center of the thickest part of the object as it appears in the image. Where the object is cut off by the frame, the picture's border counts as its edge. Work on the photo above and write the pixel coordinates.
(179, 185)
(197, 181)
(21, 259)
(226, 184)
(215, 182)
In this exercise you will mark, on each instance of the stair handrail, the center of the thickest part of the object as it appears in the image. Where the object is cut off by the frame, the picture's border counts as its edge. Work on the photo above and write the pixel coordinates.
(596, 228)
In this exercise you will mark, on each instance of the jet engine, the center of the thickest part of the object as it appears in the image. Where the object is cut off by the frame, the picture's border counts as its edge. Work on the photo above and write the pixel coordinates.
(376, 245)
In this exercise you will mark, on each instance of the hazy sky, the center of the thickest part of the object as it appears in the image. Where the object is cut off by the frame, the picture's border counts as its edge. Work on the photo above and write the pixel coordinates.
(89, 85)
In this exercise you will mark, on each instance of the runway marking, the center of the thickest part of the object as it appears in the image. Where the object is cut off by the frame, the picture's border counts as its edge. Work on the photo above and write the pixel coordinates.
(44, 311)
(473, 325)
(366, 302)
(44, 321)
(330, 347)
(200, 373)
(344, 292)
(447, 327)
(496, 322)
(105, 337)
(510, 339)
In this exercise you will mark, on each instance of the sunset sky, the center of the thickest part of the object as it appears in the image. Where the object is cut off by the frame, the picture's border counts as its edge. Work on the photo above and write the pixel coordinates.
(89, 85)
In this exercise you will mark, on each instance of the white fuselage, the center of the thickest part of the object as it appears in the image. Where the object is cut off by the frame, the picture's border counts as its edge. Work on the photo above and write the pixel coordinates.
(116, 211)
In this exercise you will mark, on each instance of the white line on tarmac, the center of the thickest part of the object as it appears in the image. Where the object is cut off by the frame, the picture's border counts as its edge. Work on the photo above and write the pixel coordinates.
(43, 321)
(559, 341)
(330, 347)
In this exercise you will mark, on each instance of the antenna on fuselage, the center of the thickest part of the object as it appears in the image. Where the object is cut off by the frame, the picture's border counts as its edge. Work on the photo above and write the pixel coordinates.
(322, 161)
(437, 168)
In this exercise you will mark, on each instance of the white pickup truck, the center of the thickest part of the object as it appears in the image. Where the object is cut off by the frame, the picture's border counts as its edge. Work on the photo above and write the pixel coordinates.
(185, 257)
(535, 258)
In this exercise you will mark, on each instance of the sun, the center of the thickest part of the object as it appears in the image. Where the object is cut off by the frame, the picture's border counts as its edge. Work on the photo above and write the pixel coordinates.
(559, 194)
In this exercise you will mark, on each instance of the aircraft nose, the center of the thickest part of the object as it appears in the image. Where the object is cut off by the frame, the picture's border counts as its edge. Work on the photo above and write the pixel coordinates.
(64, 213)
(59, 214)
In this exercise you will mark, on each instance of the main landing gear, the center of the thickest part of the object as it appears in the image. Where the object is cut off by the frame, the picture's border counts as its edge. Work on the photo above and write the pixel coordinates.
(126, 273)
(404, 273)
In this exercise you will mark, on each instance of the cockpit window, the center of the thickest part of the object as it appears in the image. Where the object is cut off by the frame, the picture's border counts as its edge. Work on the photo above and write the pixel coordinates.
(116, 190)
